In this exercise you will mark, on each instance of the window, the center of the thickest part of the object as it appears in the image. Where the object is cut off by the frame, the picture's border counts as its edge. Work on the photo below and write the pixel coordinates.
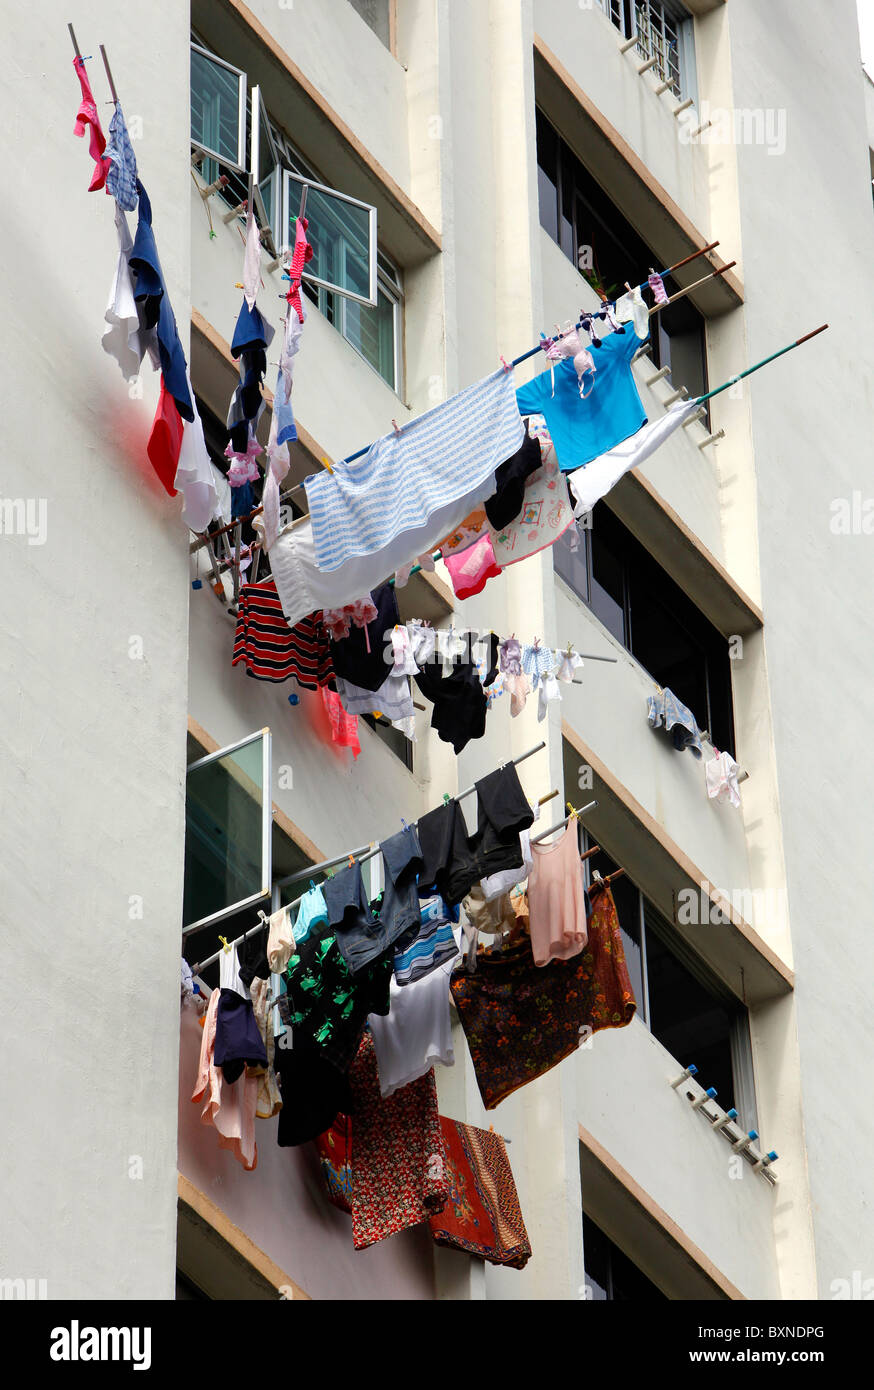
(218, 108)
(577, 214)
(610, 1274)
(664, 31)
(352, 283)
(681, 1003)
(228, 819)
(393, 738)
(639, 603)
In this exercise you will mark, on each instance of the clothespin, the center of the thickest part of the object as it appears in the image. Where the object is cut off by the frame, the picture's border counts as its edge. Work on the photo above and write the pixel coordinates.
(226, 945)
(505, 364)
(446, 798)
(327, 464)
(492, 1130)
(397, 429)
(571, 811)
(312, 886)
(351, 860)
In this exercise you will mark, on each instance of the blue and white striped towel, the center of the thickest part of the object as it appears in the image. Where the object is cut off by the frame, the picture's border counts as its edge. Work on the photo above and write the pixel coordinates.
(363, 506)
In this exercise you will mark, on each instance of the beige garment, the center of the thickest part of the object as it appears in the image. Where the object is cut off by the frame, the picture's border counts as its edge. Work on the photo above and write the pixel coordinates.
(556, 903)
(280, 940)
(489, 917)
(269, 1101)
(231, 1108)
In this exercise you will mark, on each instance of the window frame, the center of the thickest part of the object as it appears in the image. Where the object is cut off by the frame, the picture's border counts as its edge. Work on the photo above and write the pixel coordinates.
(243, 88)
(189, 928)
(285, 245)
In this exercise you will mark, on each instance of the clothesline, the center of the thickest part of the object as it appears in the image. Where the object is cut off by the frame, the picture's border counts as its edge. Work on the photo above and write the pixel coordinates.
(366, 850)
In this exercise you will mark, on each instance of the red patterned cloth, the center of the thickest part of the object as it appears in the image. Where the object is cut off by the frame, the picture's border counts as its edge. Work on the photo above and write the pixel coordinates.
(333, 1147)
(522, 1019)
(397, 1155)
(273, 651)
(482, 1213)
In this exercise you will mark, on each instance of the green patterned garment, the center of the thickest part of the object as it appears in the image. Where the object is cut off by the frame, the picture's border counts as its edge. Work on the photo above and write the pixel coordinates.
(326, 1005)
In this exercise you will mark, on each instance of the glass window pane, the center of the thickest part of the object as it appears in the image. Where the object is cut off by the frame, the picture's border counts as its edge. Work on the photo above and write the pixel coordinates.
(608, 583)
(340, 235)
(691, 1021)
(547, 175)
(215, 108)
(224, 832)
(371, 332)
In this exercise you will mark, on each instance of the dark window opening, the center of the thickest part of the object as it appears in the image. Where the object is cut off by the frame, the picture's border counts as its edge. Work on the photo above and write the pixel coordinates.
(645, 610)
(579, 216)
(610, 1274)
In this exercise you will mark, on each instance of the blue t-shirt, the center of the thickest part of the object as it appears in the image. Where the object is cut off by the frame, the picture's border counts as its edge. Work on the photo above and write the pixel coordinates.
(581, 430)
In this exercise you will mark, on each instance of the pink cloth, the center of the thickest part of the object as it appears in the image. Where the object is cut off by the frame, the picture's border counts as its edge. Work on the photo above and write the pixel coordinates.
(344, 727)
(87, 115)
(230, 1108)
(472, 568)
(556, 903)
(302, 253)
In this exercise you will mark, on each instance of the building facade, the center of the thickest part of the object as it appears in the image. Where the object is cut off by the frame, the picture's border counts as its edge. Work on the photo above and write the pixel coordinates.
(488, 169)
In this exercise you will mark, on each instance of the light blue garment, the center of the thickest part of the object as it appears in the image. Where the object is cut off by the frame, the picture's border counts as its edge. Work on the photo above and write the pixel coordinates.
(404, 479)
(286, 428)
(665, 709)
(121, 175)
(433, 946)
(313, 912)
(581, 430)
(538, 663)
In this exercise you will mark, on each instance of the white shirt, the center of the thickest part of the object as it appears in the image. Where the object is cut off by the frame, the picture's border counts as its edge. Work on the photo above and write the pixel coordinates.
(416, 1033)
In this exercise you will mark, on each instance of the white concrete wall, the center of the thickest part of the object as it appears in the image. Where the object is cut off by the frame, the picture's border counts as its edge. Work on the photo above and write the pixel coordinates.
(586, 43)
(94, 734)
(812, 417)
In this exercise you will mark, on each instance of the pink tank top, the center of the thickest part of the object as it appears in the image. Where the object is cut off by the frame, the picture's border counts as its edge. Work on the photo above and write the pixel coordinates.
(556, 904)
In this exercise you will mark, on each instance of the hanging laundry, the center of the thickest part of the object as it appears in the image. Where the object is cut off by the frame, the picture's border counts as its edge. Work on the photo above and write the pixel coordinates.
(393, 700)
(344, 727)
(521, 1019)
(269, 1101)
(364, 656)
(251, 258)
(511, 477)
(363, 938)
(271, 650)
(569, 345)
(121, 172)
(425, 562)
(334, 1157)
(657, 285)
(338, 621)
(473, 568)
(126, 338)
(632, 308)
(238, 1043)
(537, 662)
(87, 116)
(433, 945)
(546, 511)
(397, 1156)
(556, 905)
(416, 1033)
(482, 1214)
(408, 488)
(252, 956)
(594, 481)
(242, 473)
(313, 1091)
(469, 530)
(165, 439)
(152, 293)
(280, 940)
(492, 918)
(568, 661)
(301, 253)
(229, 1108)
(511, 656)
(496, 885)
(326, 1004)
(720, 777)
(583, 429)
(664, 709)
(453, 860)
(196, 473)
(459, 698)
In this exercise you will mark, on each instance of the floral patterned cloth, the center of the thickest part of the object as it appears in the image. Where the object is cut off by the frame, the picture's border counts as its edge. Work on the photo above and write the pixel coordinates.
(482, 1214)
(521, 1019)
(546, 512)
(396, 1152)
(333, 1147)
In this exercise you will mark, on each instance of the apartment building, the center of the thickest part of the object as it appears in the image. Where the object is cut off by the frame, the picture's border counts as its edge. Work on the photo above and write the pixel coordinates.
(477, 174)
